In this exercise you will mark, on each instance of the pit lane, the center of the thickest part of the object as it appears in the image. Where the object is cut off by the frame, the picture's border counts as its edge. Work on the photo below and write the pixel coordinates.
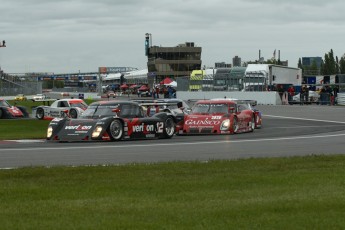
(287, 131)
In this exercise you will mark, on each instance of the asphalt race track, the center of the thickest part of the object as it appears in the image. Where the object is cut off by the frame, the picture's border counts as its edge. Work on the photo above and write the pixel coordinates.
(287, 131)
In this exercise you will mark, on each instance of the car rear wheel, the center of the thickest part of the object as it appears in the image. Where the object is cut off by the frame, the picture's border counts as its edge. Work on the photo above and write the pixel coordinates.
(73, 113)
(0, 113)
(169, 127)
(116, 130)
(40, 113)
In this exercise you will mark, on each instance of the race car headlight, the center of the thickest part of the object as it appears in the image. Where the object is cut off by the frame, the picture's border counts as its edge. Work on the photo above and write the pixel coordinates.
(225, 125)
(96, 132)
(49, 132)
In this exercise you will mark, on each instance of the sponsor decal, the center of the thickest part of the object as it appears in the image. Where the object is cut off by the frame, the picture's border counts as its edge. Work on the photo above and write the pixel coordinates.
(148, 127)
(202, 122)
(78, 127)
(15, 111)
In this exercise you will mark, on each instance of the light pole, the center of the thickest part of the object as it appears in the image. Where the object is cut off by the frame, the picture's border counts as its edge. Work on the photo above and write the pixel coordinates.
(1, 46)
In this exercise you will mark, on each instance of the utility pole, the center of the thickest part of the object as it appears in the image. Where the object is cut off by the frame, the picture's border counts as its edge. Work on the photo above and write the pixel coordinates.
(1, 45)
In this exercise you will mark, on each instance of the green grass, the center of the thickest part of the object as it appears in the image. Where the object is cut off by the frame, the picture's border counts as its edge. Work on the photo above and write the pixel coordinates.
(23, 128)
(276, 193)
(12, 129)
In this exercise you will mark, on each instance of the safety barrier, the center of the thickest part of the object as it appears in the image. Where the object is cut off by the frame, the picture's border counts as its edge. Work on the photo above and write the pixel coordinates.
(262, 98)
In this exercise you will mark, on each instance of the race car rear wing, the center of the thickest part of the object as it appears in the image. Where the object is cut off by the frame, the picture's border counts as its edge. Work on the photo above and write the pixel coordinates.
(251, 102)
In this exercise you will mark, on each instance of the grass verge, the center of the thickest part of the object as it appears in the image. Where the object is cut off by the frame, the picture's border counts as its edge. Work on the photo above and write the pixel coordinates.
(12, 129)
(25, 128)
(276, 193)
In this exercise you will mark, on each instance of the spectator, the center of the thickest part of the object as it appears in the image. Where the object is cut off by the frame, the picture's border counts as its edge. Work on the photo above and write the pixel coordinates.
(291, 93)
(306, 96)
(323, 96)
(335, 93)
(280, 91)
(157, 91)
(329, 92)
(153, 93)
(301, 95)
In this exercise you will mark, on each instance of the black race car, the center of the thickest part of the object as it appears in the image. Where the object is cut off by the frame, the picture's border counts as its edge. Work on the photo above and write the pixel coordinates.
(112, 121)
(7, 111)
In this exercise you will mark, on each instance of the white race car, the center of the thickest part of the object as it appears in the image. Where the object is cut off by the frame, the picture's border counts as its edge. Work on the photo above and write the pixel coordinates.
(72, 107)
(313, 97)
(38, 97)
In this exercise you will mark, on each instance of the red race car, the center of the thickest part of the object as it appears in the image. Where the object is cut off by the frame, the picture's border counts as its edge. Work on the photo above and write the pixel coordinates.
(8, 111)
(218, 117)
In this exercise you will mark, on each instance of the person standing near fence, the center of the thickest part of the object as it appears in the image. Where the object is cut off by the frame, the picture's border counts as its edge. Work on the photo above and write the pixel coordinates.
(335, 93)
(291, 93)
(302, 95)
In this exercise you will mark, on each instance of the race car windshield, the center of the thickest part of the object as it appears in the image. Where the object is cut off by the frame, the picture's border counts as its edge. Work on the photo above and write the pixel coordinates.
(79, 105)
(99, 111)
(210, 108)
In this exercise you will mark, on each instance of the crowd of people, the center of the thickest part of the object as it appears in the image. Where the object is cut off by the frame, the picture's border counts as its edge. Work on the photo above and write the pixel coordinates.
(166, 91)
(325, 95)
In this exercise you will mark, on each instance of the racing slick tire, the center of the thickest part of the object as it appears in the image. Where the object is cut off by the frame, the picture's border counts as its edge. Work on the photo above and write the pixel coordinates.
(235, 126)
(73, 113)
(257, 119)
(40, 113)
(116, 130)
(252, 124)
(0, 113)
(169, 127)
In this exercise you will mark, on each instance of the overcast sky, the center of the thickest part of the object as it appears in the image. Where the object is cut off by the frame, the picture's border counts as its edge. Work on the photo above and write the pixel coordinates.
(81, 35)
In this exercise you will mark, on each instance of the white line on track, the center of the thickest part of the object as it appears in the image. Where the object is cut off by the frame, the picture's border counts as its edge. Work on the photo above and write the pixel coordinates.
(186, 143)
(172, 144)
(305, 119)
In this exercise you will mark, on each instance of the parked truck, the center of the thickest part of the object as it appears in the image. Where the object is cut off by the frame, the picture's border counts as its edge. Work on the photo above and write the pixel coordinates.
(262, 77)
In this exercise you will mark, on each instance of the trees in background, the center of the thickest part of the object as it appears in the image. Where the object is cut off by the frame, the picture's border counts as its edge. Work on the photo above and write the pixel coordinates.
(330, 65)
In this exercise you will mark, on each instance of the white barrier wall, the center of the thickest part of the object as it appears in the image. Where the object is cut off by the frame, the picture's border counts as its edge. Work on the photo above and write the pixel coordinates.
(341, 98)
(262, 98)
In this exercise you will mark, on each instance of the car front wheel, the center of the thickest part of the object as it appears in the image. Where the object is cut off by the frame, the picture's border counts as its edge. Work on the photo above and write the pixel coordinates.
(235, 125)
(116, 130)
(252, 124)
(169, 127)
(73, 113)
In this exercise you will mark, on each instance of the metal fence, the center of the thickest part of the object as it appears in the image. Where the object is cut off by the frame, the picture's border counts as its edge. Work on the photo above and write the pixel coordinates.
(8, 88)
